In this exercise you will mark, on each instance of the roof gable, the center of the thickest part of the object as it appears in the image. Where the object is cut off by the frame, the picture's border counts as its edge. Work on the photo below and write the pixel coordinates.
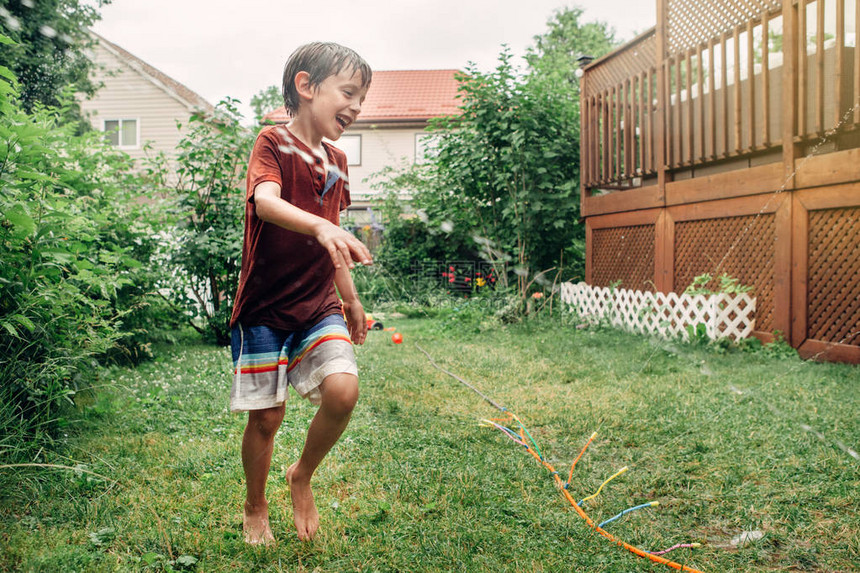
(189, 98)
(403, 96)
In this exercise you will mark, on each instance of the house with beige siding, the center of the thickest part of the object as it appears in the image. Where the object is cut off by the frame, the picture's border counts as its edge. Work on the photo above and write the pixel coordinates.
(389, 132)
(137, 104)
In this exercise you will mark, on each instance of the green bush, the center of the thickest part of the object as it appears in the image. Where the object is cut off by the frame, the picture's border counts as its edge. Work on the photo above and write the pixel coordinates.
(206, 253)
(69, 275)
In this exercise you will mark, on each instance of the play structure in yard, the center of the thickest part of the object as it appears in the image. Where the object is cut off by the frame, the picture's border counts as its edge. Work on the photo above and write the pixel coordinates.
(727, 140)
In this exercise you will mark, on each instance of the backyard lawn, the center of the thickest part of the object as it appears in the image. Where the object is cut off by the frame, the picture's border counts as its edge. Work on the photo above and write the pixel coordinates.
(749, 455)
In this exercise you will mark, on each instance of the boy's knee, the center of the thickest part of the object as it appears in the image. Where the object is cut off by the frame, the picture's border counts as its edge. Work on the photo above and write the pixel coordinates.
(340, 393)
(266, 422)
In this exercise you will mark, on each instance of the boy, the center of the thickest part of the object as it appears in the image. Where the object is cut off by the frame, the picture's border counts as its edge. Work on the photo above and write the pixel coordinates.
(288, 324)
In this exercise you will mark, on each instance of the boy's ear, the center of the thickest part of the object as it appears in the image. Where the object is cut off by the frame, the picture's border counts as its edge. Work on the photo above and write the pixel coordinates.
(303, 85)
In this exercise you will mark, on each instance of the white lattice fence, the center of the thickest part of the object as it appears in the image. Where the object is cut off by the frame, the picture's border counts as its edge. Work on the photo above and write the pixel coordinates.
(668, 315)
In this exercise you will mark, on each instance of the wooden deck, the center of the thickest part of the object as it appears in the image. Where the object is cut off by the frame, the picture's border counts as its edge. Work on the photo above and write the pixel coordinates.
(727, 140)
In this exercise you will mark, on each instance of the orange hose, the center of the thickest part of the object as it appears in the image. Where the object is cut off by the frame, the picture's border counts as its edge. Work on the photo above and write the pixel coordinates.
(633, 549)
(585, 447)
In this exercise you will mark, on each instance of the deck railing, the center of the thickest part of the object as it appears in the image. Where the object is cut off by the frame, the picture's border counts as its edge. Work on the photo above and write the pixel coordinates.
(712, 88)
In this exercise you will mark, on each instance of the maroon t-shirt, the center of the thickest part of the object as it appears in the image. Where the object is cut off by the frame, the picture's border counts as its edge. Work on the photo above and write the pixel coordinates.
(287, 278)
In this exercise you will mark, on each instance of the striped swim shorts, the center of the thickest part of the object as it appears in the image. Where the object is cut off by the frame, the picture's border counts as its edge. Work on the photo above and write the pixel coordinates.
(266, 360)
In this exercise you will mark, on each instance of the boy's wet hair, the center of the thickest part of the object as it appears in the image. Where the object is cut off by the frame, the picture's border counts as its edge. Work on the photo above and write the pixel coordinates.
(320, 60)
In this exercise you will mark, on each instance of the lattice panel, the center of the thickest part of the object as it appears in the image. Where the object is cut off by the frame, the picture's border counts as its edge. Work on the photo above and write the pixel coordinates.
(689, 24)
(834, 276)
(633, 60)
(669, 315)
(742, 247)
(625, 254)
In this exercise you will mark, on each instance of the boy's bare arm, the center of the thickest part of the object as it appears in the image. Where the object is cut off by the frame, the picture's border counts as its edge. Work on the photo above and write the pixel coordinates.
(342, 246)
(356, 320)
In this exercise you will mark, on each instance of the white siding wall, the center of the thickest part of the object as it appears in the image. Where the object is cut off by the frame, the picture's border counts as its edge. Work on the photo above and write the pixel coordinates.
(380, 147)
(126, 94)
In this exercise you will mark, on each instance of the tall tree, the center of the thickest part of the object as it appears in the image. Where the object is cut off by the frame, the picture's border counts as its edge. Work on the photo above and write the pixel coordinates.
(505, 174)
(49, 53)
(266, 100)
(555, 52)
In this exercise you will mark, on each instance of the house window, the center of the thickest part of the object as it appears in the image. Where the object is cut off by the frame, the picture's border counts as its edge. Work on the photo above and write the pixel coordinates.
(426, 145)
(122, 133)
(351, 145)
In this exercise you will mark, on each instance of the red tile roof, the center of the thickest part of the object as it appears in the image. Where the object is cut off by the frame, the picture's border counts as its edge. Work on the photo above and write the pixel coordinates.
(402, 96)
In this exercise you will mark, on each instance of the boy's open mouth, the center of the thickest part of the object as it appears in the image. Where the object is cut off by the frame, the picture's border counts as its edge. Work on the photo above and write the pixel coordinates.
(343, 121)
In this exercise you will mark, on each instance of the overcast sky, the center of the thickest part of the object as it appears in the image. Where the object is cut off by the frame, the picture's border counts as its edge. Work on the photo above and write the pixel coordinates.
(236, 48)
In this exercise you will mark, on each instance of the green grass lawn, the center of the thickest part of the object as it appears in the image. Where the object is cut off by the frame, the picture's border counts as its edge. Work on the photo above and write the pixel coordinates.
(727, 443)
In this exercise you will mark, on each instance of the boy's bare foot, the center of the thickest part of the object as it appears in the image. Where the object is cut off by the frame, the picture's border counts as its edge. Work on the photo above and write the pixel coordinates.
(255, 524)
(305, 514)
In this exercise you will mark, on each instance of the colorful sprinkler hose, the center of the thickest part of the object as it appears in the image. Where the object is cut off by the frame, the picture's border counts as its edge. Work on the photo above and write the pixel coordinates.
(653, 556)
(531, 448)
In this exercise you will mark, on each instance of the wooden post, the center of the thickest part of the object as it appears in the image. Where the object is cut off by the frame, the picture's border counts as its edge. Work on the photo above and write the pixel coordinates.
(649, 123)
(607, 136)
(793, 65)
(782, 267)
(840, 60)
(589, 250)
(712, 98)
(856, 103)
(619, 120)
(793, 104)
(724, 87)
(738, 94)
(799, 59)
(641, 82)
(751, 83)
(701, 81)
(660, 134)
(664, 255)
(678, 133)
(691, 131)
(819, 67)
(799, 271)
(765, 80)
(585, 136)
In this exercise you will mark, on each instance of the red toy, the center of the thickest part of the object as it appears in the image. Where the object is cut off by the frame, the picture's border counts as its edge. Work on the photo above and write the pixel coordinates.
(373, 324)
(397, 338)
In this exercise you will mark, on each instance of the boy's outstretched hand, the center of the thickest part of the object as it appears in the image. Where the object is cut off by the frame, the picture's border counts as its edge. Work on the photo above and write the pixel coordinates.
(343, 246)
(356, 321)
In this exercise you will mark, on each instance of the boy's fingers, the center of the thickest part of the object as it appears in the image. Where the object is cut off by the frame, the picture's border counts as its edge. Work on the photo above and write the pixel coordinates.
(360, 253)
(335, 256)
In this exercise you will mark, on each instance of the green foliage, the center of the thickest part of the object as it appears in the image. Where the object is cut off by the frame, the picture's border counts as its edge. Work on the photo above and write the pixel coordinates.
(503, 181)
(422, 232)
(70, 275)
(265, 101)
(50, 46)
(209, 206)
(509, 160)
(555, 52)
(705, 284)
(778, 348)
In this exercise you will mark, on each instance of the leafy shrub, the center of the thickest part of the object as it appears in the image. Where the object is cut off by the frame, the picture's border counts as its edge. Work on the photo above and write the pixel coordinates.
(205, 253)
(69, 274)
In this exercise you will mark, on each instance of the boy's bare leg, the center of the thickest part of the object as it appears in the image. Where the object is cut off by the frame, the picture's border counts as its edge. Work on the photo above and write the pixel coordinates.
(257, 445)
(339, 395)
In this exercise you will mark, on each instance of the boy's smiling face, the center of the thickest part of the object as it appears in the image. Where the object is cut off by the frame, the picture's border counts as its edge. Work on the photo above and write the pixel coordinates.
(335, 103)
